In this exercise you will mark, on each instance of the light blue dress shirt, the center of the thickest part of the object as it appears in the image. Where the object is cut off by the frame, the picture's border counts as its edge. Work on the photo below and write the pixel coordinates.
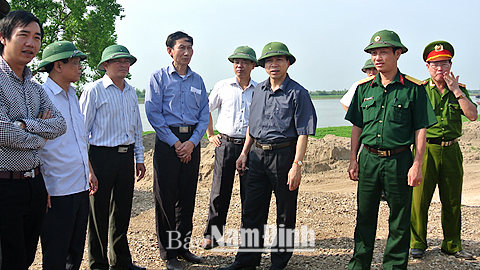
(65, 159)
(173, 101)
(112, 117)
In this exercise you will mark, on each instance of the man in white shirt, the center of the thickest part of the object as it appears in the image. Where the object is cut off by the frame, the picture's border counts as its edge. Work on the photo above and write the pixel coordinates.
(370, 70)
(66, 170)
(232, 97)
(114, 127)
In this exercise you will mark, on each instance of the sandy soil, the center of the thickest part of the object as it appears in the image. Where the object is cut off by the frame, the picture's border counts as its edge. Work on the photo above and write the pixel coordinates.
(326, 203)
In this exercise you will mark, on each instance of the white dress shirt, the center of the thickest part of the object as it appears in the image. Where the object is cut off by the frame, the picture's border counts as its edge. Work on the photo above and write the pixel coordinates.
(112, 117)
(233, 105)
(65, 159)
(347, 98)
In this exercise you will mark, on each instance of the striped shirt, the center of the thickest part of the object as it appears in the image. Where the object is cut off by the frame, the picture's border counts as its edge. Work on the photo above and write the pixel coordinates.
(24, 100)
(112, 117)
(65, 159)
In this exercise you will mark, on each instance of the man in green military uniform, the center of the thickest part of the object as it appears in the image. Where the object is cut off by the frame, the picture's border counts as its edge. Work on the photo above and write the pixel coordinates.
(442, 161)
(389, 112)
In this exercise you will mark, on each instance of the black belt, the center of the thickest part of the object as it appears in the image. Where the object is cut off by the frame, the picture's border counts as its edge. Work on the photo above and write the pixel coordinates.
(20, 175)
(442, 143)
(273, 146)
(386, 152)
(233, 140)
(119, 148)
(183, 129)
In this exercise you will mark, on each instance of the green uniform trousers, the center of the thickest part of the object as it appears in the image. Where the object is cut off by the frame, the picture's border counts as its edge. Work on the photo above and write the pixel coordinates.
(390, 174)
(442, 166)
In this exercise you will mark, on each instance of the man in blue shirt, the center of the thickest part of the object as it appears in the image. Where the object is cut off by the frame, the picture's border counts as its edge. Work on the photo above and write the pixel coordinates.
(281, 118)
(176, 104)
(114, 127)
(66, 169)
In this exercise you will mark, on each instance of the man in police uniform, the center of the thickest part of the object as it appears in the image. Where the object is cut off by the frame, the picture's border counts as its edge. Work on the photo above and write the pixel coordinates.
(389, 112)
(232, 97)
(442, 162)
(281, 118)
(370, 70)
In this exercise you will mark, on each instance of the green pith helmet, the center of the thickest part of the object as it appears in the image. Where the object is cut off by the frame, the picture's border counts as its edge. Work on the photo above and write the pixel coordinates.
(59, 50)
(438, 49)
(368, 64)
(243, 52)
(115, 52)
(385, 38)
(274, 49)
(4, 8)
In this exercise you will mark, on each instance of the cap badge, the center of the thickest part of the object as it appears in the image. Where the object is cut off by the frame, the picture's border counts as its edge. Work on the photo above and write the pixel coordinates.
(377, 38)
(438, 47)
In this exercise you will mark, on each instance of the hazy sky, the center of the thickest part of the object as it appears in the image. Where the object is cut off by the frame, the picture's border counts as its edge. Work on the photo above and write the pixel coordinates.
(326, 37)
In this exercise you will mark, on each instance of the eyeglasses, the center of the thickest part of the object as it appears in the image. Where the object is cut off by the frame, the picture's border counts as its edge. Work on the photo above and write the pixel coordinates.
(438, 64)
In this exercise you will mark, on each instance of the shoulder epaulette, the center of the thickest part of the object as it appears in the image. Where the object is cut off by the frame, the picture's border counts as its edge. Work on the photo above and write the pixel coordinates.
(424, 82)
(366, 80)
(415, 81)
(462, 85)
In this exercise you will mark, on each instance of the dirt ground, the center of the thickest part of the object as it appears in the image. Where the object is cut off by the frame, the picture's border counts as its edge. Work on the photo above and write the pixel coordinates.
(326, 204)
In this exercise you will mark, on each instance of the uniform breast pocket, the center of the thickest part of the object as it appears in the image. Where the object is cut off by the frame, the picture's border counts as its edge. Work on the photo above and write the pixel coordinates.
(401, 111)
(368, 110)
(193, 99)
(455, 112)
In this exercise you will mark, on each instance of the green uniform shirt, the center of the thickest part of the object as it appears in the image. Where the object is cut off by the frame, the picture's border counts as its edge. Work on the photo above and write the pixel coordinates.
(389, 116)
(448, 112)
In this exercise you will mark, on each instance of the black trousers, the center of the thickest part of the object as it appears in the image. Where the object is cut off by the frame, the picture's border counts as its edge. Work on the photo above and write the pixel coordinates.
(174, 189)
(110, 207)
(224, 170)
(269, 171)
(23, 203)
(63, 232)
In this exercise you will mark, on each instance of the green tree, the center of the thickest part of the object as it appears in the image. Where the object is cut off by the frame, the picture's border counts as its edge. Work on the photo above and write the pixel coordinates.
(89, 24)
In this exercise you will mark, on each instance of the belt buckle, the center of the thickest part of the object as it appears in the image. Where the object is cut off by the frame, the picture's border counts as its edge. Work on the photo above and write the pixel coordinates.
(382, 153)
(183, 129)
(237, 141)
(122, 149)
(29, 174)
(266, 146)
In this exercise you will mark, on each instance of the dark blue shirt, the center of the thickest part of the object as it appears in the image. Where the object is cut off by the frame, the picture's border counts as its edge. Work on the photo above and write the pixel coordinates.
(281, 115)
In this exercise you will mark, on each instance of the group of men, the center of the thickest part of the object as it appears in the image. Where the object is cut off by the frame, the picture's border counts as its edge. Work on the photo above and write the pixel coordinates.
(78, 159)
(389, 112)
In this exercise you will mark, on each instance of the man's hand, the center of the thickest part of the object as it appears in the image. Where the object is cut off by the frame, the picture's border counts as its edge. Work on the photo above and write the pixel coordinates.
(140, 171)
(92, 182)
(415, 175)
(353, 170)
(241, 164)
(294, 177)
(452, 83)
(215, 139)
(47, 114)
(185, 149)
(49, 203)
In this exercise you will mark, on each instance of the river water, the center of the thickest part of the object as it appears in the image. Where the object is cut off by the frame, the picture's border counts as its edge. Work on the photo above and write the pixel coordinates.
(330, 113)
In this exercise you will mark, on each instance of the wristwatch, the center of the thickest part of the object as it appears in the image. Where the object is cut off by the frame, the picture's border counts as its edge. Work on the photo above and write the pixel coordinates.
(298, 162)
(462, 96)
(20, 124)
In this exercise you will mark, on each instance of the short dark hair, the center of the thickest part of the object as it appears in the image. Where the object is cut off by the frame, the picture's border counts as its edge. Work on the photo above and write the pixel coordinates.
(172, 38)
(15, 19)
(49, 67)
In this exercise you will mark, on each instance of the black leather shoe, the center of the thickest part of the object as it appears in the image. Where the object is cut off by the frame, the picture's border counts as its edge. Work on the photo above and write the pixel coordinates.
(237, 266)
(135, 267)
(174, 264)
(190, 257)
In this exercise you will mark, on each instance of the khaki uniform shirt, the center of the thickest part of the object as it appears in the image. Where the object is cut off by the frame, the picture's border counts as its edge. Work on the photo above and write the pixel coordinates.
(447, 110)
